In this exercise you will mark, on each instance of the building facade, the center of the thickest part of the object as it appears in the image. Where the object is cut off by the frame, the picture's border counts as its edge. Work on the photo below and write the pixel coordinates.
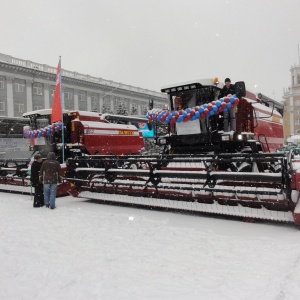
(292, 104)
(27, 86)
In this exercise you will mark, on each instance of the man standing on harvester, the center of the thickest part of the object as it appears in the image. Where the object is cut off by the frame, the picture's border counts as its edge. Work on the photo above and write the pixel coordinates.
(227, 91)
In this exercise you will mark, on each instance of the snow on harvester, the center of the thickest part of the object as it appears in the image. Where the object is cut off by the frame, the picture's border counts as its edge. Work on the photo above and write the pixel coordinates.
(203, 168)
(83, 134)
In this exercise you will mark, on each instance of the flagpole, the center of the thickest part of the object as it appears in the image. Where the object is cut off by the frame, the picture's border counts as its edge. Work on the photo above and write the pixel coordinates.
(62, 116)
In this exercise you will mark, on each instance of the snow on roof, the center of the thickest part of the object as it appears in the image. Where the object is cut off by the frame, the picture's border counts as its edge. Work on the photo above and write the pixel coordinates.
(205, 81)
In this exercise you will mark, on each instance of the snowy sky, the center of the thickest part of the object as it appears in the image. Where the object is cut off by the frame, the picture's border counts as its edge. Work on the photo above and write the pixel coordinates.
(151, 43)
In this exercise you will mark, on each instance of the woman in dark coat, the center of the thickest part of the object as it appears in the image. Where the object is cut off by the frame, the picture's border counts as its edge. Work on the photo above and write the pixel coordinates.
(38, 200)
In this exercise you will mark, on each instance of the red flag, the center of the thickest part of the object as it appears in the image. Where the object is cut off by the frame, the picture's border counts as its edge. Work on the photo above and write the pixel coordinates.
(56, 106)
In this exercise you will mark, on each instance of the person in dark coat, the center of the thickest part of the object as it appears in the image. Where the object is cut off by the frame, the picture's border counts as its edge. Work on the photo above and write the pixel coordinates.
(38, 200)
(228, 90)
(50, 176)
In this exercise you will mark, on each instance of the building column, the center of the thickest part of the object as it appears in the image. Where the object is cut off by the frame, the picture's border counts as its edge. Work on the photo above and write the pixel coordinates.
(47, 95)
(10, 97)
(291, 115)
(76, 99)
(89, 101)
(29, 95)
(101, 103)
(130, 106)
(112, 100)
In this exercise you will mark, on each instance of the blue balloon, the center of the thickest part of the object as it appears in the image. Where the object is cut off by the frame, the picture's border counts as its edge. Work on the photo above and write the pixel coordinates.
(188, 110)
(232, 100)
(40, 134)
(201, 110)
(168, 119)
(180, 119)
(225, 109)
(193, 118)
(184, 114)
(228, 105)
(218, 103)
(197, 114)
(215, 108)
(205, 106)
(211, 113)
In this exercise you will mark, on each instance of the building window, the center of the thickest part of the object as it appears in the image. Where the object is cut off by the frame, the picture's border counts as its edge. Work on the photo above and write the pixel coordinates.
(81, 97)
(2, 106)
(68, 96)
(19, 107)
(1, 84)
(37, 90)
(19, 88)
(94, 100)
(144, 108)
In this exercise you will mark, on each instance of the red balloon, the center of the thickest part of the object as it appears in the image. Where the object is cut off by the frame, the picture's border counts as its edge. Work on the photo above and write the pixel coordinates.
(192, 112)
(213, 103)
(163, 118)
(226, 99)
(209, 106)
(196, 108)
(223, 105)
(187, 118)
(173, 120)
(236, 101)
(206, 111)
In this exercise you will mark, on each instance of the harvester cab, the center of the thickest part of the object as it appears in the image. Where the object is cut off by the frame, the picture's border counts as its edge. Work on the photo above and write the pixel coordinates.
(196, 123)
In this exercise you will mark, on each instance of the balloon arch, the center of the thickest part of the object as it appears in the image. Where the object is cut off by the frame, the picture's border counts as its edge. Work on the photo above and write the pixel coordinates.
(191, 114)
(46, 131)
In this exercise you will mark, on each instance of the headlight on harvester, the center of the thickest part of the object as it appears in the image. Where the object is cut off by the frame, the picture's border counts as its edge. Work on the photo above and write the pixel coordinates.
(162, 141)
(225, 137)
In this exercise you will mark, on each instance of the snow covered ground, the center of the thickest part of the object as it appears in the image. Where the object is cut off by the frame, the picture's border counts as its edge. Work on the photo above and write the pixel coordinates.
(83, 250)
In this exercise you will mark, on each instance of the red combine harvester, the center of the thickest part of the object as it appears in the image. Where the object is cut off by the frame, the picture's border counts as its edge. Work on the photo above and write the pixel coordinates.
(84, 134)
(202, 168)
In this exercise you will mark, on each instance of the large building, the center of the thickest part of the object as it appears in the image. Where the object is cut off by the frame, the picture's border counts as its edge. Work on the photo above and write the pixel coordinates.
(27, 86)
(292, 104)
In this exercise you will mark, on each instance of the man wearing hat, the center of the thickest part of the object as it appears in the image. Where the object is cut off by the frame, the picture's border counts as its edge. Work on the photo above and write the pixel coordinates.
(38, 200)
(227, 91)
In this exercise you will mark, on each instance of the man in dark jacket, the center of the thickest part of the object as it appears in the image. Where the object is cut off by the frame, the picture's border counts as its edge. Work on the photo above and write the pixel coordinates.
(38, 200)
(227, 91)
(50, 176)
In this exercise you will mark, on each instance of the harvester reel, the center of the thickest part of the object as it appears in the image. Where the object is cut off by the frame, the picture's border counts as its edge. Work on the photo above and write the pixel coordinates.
(109, 176)
(155, 179)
